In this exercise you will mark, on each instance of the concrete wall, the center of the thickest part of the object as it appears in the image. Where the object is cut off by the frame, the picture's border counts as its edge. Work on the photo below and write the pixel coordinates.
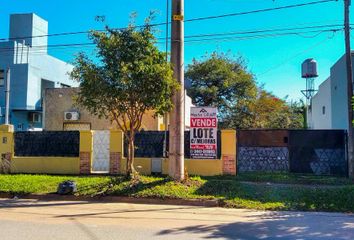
(322, 101)
(339, 95)
(43, 164)
(60, 100)
(46, 165)
(24, 25)
(83, 163)
(204, 167)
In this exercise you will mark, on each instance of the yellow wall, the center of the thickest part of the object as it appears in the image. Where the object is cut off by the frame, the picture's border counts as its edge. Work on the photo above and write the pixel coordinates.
(116, 141)
(86, 141)
(6, 139)
(50, 165)
(142, 165)
(203, 167)
(228, 142)
(71, 165)
(165, 166)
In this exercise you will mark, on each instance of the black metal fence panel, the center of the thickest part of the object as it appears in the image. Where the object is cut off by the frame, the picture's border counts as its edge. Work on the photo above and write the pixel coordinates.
(151, 144)
(268, 159)
(147, 144)
(262, 150)
(321, 152)
(47, 144)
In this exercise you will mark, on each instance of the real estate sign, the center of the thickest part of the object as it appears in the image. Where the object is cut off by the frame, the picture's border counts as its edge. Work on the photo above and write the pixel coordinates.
(203, 133)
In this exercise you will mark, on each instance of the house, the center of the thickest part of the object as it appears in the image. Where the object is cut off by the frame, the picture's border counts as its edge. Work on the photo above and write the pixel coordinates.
(62, 113)
(328, 109)
(32, 71)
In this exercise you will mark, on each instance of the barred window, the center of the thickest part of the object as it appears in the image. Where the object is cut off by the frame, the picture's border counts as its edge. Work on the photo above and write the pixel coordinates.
(2, 77)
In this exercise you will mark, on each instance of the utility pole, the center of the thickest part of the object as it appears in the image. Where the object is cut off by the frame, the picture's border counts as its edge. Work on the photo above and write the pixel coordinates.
(165, 120)
(176, 150)
(7, 96)
(349, 87)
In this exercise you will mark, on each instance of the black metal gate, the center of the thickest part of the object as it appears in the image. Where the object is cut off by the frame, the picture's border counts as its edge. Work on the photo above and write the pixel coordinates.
(320, 152)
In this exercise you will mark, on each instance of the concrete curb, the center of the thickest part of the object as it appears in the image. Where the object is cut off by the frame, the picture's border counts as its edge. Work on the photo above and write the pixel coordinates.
(116, 199)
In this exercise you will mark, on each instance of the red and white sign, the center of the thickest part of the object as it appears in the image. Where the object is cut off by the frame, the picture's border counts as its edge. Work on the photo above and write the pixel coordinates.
(204, 131)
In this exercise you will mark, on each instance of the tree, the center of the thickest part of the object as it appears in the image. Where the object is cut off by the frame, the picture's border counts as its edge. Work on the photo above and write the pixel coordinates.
(297, 115)
(221, 81)
(130, 78)
(269, 111)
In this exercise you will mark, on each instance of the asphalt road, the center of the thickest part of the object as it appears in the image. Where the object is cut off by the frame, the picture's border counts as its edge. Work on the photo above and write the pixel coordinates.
(43, 220)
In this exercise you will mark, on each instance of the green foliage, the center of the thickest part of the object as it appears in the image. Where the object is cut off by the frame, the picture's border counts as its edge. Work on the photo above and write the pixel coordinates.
(220, 81)
(223, 82)
(264, 191)
(131, 78)
(268, 111)
(297, 115)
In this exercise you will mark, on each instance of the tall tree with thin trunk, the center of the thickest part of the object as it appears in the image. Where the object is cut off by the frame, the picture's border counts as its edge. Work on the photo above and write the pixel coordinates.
(129, 78)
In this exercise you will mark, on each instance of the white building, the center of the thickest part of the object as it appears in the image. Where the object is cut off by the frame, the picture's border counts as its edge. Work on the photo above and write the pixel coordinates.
(328, 108)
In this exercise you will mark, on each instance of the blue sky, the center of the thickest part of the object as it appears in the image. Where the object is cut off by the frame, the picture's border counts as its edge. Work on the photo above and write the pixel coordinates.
(275, 61)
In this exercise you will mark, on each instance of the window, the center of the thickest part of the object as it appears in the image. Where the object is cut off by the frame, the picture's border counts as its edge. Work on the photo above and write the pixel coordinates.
(20, 127)
(323, 110)
(34, 117)
(2, 78)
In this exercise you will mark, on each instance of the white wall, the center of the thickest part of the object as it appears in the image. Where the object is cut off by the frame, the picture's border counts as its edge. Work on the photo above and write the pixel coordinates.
(187, 109)
(339, 94)
(333, 95)
(319, 119)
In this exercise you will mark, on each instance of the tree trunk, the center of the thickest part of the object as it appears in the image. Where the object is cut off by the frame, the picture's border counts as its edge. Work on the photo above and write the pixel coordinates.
(130, 158)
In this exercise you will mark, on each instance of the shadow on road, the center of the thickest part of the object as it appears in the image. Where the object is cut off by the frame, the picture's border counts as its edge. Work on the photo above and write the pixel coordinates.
(274, 225)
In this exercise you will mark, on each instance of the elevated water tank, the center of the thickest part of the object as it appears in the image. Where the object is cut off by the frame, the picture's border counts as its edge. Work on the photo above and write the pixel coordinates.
(309, 68)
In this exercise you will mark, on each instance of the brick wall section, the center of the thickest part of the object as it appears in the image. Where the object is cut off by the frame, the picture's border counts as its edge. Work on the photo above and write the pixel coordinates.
(114, 162)
(85, 162)
(6, 162)
(8, 156)
(229, 164)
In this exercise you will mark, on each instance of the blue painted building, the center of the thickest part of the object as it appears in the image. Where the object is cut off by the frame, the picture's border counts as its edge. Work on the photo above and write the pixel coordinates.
(32, 71)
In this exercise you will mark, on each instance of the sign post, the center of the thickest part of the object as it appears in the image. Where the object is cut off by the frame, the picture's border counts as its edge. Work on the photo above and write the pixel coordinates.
(203, 133)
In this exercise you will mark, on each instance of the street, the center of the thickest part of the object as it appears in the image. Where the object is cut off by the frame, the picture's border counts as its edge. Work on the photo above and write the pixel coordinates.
(39, 220)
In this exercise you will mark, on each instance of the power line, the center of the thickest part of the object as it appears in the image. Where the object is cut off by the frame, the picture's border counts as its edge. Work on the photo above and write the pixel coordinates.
(264, 30)
(213, 36)
(298, 54)
(187, 20)
(66, 47)
(260, 10)
(268, 35)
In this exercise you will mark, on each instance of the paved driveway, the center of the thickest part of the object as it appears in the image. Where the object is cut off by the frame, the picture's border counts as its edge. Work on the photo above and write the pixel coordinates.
(37, 220)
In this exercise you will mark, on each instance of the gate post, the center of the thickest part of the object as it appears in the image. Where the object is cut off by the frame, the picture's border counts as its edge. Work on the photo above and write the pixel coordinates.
(86, 148)
(116, 148)
(6, 147)
(228, 152)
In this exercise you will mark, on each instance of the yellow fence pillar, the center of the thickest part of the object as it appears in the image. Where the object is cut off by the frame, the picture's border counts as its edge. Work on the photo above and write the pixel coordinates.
(6, 147)
(86, 148)
(228, 152)
(116, 151)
